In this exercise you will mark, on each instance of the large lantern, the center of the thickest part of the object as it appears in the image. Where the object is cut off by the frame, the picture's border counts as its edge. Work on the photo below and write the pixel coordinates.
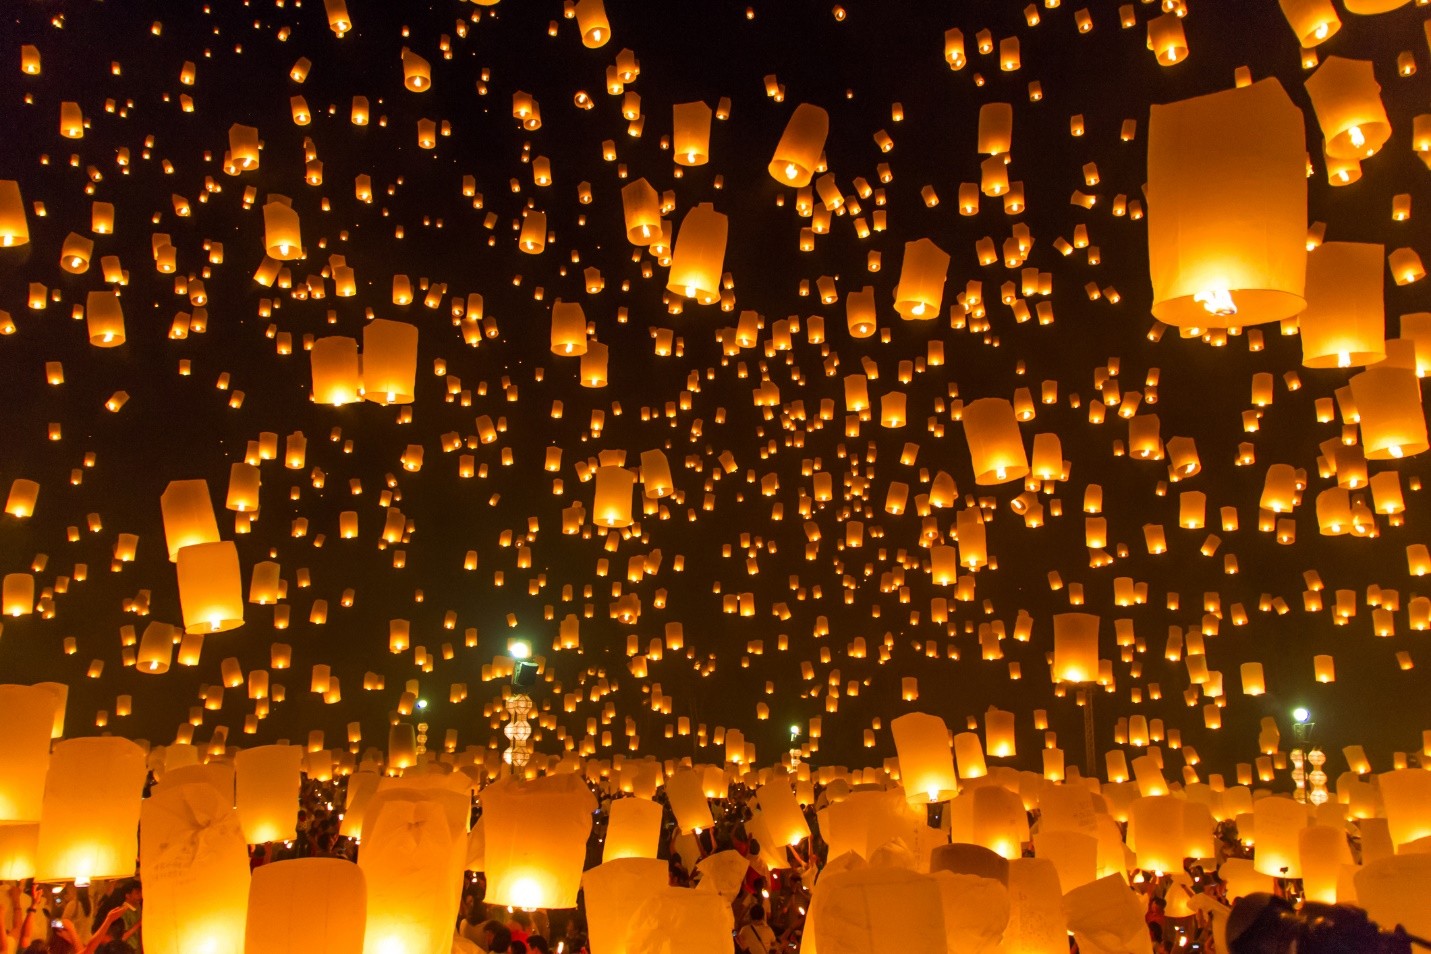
(798, 153)
(389, 361)
(1227, 212)
(612, 892)
(921, 280)
(1075, 647)
(641, 205)
(1347, 99)
(188, 515)
(266, 792)
(105, 319)
(996, 448)
(699, 255)
(90, 816)
(281, 232)
(337, 371)
(612, 504)
(1344, 324)
(195, 867)
(1312, 20)
(568, 328)
(691, 138)
(926, 761)
(633, 829)
(210, 587)
(1388, 404)
(536, 840)
(413, 855)
(304, 905)
(25, 753)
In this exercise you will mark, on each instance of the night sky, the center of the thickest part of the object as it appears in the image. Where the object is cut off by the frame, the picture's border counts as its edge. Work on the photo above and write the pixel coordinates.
(718, 534)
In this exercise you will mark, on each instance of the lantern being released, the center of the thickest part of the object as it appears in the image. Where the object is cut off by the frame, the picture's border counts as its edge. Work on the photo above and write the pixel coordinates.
(536, 840)
(1227, 213)
(195, 866)
(304, 905)
(926, 761)
(90, 815)
(24, 757)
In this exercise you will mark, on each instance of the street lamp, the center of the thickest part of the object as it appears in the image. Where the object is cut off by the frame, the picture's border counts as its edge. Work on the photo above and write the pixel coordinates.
(1311, 786)
(518, 730)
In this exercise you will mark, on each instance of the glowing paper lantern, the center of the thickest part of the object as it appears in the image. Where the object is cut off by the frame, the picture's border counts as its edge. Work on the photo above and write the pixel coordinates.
(188, 516)
(17, 595)
(1155, 832)
(266, 790)
(848, 910)
(412, 858)
(90, 815)
(686, 795)
(536, 840)
(921, 280)
(1036, 921)
(996, 128)
(611, 506)
(281, 232)
(195, 866)
(798, 153)
(25, 753)
(14, 228)
(591, 21)
(337, 371)
(782, 815)
(1311, 20)
(210, 587)
(1406, 793)
(304, 905)
(416, 71)
(1075, 647)
(691, 135)
(568, 328)
(1345, 323)
(633, 829)
(1278, 821)
(613, 892)
(1227, 216)
(1347, 99)
(698, 257)
(1393, 891)
(105, 319)
(18, 843)
(23, 494)
(1388, 403)
(996, 448)
(389, 361)
(641, 205)
(926, 762)
(681, 919)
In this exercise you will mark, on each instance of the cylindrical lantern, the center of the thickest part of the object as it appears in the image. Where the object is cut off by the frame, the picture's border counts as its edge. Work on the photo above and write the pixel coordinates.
(969, 756)
(1347, 99)
(591, 21)
(266, 782)
(1388, 403)
(568, 328)
(156, 649)
(633, 829)
(533, 237)
(416, 71)
(243, 487)
(1406, 794)
(414, 851)
(304, 905)
(1344, 324)
(90, 816)
(1227, 215)
(1277, 821)
(1075, 647)
(337, 371)
(389, 361)
(210, 587)
(25, 755)
(536, 840)
(1155, 833)
(782, 815)
(105, 319)
(641, 204)
(281, 238)
(920, 291)
(698, 257)
(691, 136)
(188, 515)
(611, 506)
(14, 227)
(996, 448)
(612, 892)
(1311, 20)
(195, 866)
(798, 153)
(996, 128)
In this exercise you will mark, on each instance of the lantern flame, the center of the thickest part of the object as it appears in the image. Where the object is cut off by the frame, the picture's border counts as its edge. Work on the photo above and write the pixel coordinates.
(1216, 301)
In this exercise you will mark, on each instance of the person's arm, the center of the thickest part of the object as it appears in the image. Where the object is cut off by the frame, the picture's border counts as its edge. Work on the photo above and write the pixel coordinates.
(138, 921)
(102, 935)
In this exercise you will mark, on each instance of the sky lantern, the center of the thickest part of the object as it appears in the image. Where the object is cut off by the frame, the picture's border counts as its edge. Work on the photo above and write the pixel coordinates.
(282, 240)
(266, 786)
(1313, 21)
(414, 849)
(641, 204)
(195, 866)
(1226, 221)
(536, 840)
(14, 228)
(210, 587)
(1344, 324)
(1075, 647)
(533, 237)
(996, 128)
(306, 904)
(1388, 401)
(801, 144)
(389, 361)
(22, 498)
(698, 255)
(611, 503)
(337, 371)
(996, 447)
(691, 136)
(105, 319)
(89, 817)
(25, 756)
(591, 21)
(1347, 99)
(188, 515)
(568, 328)
(416, 71)
(338, 20)
(921, 280)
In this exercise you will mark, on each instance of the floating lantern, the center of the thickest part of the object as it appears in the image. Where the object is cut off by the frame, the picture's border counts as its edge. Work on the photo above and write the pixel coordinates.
(1388, 402)
(210, 587)
(196, 871)
(536, 840)
(1344, 323)
(24, 758)
(337, 371)
(306, 904)
(188, 515)
(611, 506)
(90, 814)
(996, 447)
(266, 789)
(1075, 647)
(921, 280)
(389, 362)
(801, 144)
(591, 21)
(1347, 100)
(14, 228)
(105, 319)
(698, 257)
(691, 136)
(281, 238)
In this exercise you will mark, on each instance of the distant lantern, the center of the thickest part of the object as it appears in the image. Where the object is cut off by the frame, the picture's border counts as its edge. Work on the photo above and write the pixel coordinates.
(210, 587)
(798, 153)
(591, 21)
(25, 755)
(75, 253)
(1311, 20)
(306, 904)
(996, 128)
(536, 835)
(698, 258)
(389, 361)
(1075, 647)
(1347, 100)
(921, 280)
(568, 328)
(533, 237)
(1388, 403)
(105, 319)
(416, 71)
(860, 312)
(14, 228)
(19, 594)
(691, 135)
(641, 204)
(90, 815)
(1167, 40)
(996, 448)
(1227, 215)
(337, 371)
(338, 20)
(611, 506)
(266, 784)
(281, 234)
(188, 515)
(926, 762)
(156, 649)
(1344, 324)
(655, 474)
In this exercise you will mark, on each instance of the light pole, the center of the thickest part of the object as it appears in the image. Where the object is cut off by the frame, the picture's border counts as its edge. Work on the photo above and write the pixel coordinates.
(518, 730)
(1311, 786)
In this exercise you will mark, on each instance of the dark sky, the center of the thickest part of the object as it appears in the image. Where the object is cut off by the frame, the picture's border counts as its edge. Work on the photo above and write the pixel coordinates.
(176, 427)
